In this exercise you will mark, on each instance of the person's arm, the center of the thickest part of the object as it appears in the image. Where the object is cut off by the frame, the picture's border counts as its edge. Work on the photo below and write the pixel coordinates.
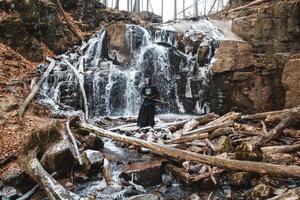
(155, 93)
(143, 93)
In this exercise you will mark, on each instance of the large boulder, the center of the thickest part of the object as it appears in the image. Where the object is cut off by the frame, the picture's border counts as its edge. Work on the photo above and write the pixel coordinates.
(59, 157)
(232, 56)
(147, 173)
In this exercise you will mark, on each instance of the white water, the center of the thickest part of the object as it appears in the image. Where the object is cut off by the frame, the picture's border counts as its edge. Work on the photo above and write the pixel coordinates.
(115, 89)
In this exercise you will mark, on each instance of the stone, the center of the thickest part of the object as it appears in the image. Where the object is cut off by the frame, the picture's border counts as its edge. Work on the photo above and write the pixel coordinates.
(239, 178)
(93, 160)
(148, 173)
(224, 145)
(69, 184)
(260, 191)
(93, 142)
(144, 197)
(290, 81)
(245, 151)
(59, 158)
(231, 56)
(9, 192)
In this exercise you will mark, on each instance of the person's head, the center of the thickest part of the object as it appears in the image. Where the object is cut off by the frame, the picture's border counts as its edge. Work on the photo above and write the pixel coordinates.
(147, 80)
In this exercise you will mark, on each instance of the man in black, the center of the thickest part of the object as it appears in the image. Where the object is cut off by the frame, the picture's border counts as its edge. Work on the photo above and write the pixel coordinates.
(147, 111)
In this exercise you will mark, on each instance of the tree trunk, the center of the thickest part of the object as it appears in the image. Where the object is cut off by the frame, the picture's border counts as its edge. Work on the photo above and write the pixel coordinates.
(36, 88)
(237, 165)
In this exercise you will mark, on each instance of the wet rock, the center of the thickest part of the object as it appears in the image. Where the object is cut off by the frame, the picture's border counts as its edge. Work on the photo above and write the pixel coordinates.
(224, 145)
(194, 196)
(9, 192)
(148, 173)
(145, 197)
(93, 142)
(231, 56)
(239, 178)
(93, 160)
(220, 131)
(260, 191)
(59, 158)
(245, 151)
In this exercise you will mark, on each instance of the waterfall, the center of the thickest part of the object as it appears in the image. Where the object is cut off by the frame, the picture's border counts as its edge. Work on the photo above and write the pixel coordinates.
(114, 88)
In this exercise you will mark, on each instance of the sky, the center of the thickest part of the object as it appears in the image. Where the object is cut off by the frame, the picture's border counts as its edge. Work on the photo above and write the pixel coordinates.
(169, 7)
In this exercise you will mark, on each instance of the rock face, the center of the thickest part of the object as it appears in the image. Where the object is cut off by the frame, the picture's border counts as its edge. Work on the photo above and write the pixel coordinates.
(290, 80)
(259, 73)
(32, 28)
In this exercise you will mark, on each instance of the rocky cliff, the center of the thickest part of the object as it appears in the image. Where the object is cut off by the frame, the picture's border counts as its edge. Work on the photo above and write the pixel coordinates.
(260, 72)
(33, 27)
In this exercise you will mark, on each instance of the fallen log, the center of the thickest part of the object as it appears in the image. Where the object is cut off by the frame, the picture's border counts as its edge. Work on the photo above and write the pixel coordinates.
(36, 88)
(281, 148)
(106, 173)
(190, 125)
(36, 143)
(275, 132)
(237, 165)
(231, 116)
(189, 138)
(262, 116)
(75, 148)
(81, 85)
(209, 128)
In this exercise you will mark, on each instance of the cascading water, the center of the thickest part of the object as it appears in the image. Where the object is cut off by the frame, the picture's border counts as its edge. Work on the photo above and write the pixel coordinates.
(114, 89)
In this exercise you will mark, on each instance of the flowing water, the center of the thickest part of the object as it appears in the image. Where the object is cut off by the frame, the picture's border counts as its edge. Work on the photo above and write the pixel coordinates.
(113, 88)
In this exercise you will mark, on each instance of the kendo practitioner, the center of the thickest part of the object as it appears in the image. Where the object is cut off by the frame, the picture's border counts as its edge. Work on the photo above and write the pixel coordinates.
(147, 112)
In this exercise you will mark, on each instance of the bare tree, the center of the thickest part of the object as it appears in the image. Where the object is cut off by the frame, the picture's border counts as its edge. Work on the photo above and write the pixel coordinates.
(162, 9)
(183, 8)
(175, 9)
(195, 8)
(117, 4)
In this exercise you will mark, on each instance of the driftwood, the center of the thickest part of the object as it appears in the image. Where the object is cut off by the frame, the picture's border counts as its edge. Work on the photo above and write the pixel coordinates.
(187, 138)
(81, 85)
(281, 148)
(275, 132)
(291, 194)
(106, 172)
(209, 128)
(36, 88)
(72, 27)
(261, 116)
(191, 178)
(74, 148)
(231, 116)
(237, 165)
(190, 125)
(35, 143)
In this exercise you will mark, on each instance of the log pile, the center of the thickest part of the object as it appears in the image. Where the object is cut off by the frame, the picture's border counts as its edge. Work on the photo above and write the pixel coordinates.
(208, 147)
